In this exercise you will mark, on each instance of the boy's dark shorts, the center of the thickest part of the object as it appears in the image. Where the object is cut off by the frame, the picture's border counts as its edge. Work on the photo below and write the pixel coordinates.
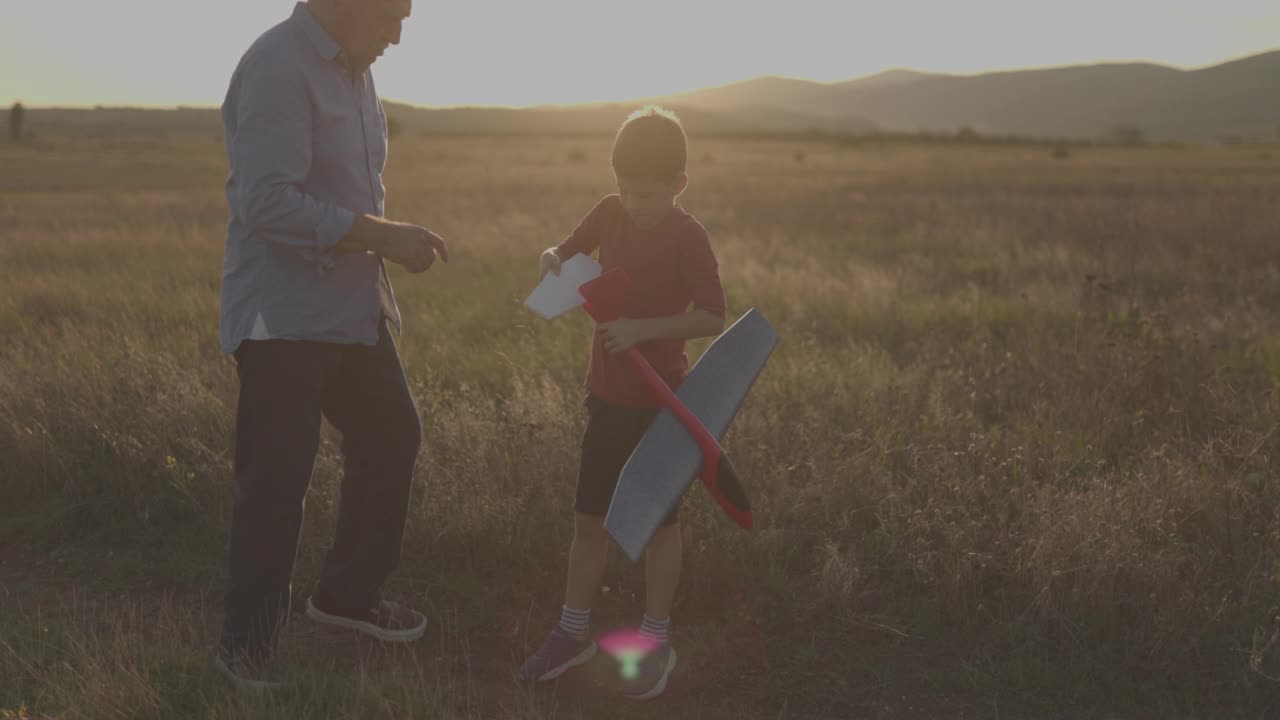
(613, 431)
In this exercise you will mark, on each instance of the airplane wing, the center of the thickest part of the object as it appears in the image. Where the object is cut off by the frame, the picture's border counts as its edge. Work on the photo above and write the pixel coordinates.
(667, 459)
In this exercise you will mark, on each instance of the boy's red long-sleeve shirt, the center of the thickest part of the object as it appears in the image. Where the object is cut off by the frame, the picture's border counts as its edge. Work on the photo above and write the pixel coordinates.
(671, 266)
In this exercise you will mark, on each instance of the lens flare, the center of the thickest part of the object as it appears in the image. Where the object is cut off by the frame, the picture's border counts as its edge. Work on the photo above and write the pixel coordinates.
(629, 648)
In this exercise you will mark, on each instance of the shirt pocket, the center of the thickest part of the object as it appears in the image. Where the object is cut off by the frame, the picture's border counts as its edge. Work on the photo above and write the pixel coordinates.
(338, 132)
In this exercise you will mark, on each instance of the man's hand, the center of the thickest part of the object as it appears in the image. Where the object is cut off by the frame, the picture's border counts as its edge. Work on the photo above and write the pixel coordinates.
(549, 263)
(626, 332)
(412, 246)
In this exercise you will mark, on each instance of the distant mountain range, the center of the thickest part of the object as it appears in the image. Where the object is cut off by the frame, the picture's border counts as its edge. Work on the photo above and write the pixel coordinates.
(1234, 100)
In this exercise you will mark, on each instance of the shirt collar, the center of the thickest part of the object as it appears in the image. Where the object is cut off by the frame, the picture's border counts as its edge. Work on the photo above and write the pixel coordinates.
(321, 40)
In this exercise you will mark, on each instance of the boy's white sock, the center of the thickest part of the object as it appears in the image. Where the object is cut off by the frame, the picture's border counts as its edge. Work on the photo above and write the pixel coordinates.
(575, 622)
(655, 629)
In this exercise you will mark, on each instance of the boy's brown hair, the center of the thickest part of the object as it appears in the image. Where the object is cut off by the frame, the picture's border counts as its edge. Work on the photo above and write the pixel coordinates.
(651, 144)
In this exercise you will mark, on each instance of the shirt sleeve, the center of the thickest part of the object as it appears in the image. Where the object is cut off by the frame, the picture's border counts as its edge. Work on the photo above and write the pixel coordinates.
(271, 157)
(701, 273)
(586, 237)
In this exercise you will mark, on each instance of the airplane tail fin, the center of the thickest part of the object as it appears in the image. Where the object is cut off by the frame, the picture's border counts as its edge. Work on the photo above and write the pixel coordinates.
(726, 489)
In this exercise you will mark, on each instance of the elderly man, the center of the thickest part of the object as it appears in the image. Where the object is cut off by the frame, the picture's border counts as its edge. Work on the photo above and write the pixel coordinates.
(306, 306)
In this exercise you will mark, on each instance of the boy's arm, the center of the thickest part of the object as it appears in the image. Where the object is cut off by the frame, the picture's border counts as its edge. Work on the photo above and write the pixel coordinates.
(586, 237)
(627, 332)
(701, 275)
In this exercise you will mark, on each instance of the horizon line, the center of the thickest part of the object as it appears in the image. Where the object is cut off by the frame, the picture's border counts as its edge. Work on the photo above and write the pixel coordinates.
(604, 103)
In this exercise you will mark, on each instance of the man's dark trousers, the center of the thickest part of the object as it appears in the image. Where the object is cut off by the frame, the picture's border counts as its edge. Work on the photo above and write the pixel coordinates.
(286, 386)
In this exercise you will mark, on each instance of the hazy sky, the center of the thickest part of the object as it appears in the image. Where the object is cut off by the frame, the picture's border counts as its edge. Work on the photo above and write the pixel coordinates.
(521, 52)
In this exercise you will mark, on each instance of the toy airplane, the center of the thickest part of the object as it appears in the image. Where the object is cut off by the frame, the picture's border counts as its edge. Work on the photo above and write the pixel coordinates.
(683, 441)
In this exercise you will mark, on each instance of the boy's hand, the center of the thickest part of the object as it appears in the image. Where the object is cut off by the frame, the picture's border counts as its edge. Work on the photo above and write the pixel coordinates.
(624, 333)
(549, 263)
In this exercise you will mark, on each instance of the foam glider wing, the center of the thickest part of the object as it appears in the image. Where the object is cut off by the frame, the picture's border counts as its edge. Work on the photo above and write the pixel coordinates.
(684, 440)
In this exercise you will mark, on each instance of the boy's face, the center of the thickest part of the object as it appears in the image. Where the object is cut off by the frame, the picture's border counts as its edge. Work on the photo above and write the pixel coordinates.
(648, 201)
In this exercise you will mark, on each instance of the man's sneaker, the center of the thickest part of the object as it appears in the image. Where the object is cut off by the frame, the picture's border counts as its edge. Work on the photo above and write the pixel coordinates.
(558, 653)
(652, 673)
(245, 676)
(389, 622)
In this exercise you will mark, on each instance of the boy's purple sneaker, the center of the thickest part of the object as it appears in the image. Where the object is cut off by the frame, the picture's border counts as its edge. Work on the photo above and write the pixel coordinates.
(559, 652)
(652, 673)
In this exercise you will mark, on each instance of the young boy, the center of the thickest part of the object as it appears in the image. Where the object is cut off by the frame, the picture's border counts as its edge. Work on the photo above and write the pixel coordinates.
(668, 257)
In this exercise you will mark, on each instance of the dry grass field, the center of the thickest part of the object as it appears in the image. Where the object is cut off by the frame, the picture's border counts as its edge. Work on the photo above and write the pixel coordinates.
(1015, 455)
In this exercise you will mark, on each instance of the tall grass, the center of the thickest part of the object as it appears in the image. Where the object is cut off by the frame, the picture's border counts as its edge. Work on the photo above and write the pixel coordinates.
(1015, 451)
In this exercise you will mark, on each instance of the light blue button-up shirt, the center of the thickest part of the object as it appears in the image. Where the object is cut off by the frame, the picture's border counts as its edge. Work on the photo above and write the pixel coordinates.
(307, 142)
